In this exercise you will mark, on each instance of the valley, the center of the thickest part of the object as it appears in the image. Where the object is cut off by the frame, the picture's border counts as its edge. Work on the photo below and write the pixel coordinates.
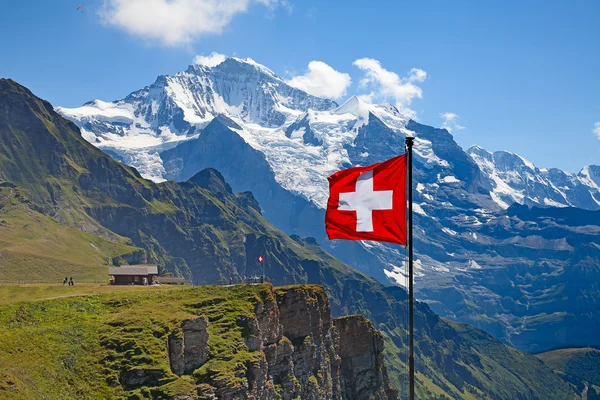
(204, 231)
(500, 244)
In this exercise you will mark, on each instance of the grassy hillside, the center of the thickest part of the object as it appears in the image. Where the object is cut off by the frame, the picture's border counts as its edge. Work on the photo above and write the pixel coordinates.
(27, 293)
(36, 248)
(78, 347)
(581, 366)
(202, 231)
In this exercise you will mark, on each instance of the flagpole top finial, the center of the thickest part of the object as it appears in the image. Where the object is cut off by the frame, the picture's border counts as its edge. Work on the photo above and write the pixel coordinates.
(409, 140)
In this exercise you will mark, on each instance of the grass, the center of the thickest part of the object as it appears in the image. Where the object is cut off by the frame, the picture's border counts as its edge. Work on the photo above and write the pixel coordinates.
(80, 346)
(162, 207)
(580, 366)
(36, 248)
(10, 294)
(557, 357)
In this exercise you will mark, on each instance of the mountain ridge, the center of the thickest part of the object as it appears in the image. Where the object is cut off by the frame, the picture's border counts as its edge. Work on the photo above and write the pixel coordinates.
(207, 236)
(534, 186)
(465, 230)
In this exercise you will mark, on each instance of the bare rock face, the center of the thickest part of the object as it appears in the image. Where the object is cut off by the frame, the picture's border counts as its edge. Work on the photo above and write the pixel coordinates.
(363, 368)
(269, 321)
(321, 358)
(264, 328)
(304, 312)
(259, 385)
(302, 353)
(251, 332)
(305, 316)
(141, 377)
(188, 347)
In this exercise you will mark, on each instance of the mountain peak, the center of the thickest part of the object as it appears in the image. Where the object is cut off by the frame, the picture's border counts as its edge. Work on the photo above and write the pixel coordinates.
(234, 64)
(222, 119)
(230, 63)
(38, 144)
(16, 99)
(502, 159)
(591, 175)
(354, 105)
(13, 89)
(7, 83)
(511, 159)
(211, 179)
(256, 65)
(480, 151)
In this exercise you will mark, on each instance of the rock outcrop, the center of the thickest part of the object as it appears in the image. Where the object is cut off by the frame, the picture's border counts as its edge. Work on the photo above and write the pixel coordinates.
(306, 354)
(361, 351)
(188, 347)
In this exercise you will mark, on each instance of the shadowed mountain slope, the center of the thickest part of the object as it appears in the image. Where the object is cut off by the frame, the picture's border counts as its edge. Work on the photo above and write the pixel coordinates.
(202, 231)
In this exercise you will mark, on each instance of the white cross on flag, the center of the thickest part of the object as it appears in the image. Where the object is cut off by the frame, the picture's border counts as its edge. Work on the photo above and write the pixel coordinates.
(368, 203)
(261, 259)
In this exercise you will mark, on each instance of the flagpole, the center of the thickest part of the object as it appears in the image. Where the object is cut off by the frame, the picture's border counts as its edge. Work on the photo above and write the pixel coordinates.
(411, 322)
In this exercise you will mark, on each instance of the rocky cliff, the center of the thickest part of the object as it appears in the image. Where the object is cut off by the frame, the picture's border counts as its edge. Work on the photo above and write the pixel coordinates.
(202, 231)
(252, 342)
(303, 352)
(282, 144)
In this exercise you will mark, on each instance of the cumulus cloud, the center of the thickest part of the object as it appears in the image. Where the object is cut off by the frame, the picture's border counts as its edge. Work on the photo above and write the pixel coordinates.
(322, 80)
(387, 85)
(450, 122)
(176, 22)
(367, 98)
(212, 60)
(597, 129)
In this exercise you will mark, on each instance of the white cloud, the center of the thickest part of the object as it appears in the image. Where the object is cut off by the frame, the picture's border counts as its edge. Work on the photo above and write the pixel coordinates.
(176, 22)
(367, 98)
(322, 80)
(387, 85)
(212, 60)
(450, 122)
(597, 129)
(417, 75)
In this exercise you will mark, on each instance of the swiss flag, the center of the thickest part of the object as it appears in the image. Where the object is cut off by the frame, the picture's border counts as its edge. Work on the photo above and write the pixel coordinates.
(368, 203)
(261, 259)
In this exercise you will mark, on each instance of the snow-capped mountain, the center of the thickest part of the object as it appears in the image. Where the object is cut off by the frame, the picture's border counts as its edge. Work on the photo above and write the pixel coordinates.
(513, 179)
(174, 108)
(282, 143)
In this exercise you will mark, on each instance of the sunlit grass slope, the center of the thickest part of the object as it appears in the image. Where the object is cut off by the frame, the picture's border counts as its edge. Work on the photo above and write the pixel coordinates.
(77, 347)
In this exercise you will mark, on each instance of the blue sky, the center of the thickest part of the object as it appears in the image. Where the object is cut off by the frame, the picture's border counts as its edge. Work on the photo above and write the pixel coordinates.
(519, 75)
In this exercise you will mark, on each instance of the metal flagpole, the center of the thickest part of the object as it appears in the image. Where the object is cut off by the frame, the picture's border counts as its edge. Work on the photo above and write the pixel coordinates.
(411, 322)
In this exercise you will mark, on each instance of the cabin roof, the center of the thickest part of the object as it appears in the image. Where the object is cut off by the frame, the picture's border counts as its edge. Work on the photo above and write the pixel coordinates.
(134, 270)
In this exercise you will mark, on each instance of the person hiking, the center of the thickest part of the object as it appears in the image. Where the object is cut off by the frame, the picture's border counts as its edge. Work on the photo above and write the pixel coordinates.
(65, 281)
(230, 280)
(71, 282)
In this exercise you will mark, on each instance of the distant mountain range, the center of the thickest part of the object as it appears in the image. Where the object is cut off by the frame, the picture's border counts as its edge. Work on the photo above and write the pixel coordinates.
(58, 183)
(176, 108)
(513, 179)
(498, 241)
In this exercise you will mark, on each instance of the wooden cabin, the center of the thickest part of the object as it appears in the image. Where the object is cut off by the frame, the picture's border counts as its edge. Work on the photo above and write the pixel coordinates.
(133, 274)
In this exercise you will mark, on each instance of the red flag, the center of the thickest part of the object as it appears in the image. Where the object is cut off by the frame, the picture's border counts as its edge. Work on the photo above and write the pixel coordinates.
(368, 203)
(261, 259)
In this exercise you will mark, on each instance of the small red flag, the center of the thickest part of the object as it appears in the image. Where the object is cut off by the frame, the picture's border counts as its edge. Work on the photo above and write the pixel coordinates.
(368, 203)
(261, 259)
